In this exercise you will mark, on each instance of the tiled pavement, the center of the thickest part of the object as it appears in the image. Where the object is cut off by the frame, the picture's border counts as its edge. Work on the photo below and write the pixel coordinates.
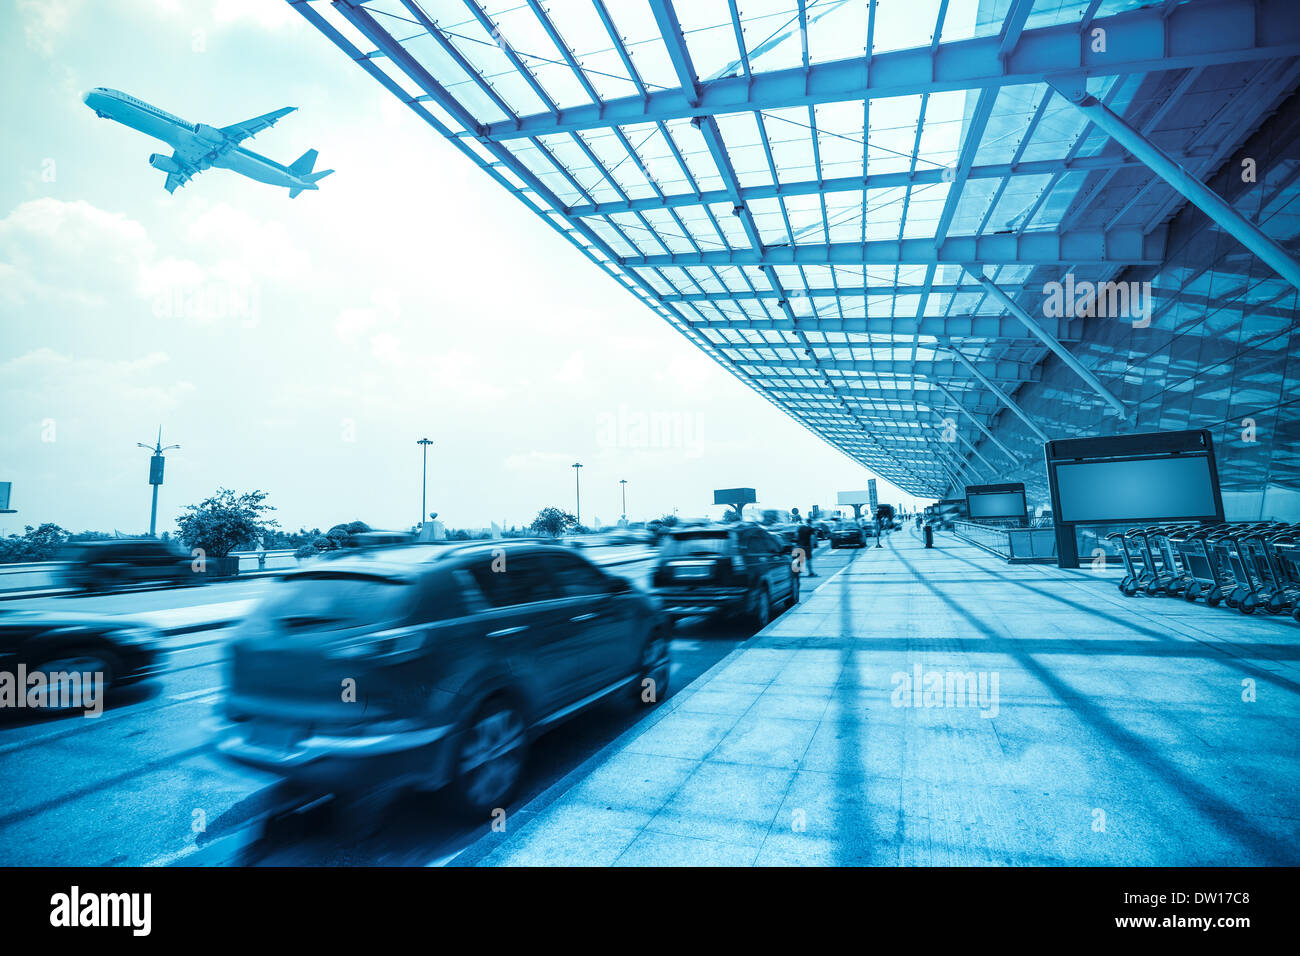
(1108, 731)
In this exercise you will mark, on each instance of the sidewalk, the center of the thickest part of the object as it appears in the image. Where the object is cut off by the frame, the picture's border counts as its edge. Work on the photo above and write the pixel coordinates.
(1097, 730)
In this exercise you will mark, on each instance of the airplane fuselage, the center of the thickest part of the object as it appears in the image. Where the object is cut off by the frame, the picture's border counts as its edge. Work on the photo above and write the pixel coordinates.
(198, 145)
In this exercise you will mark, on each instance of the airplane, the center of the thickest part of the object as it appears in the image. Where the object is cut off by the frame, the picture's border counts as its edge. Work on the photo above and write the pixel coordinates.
(197, 146)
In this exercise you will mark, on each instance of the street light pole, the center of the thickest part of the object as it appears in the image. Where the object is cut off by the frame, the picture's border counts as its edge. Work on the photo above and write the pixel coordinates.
(623, 482)
(155, 475)
(577, 494)
(424, 481)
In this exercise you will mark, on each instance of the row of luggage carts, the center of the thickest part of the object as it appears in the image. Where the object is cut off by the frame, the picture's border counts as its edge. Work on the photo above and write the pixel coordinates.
(1247, 566)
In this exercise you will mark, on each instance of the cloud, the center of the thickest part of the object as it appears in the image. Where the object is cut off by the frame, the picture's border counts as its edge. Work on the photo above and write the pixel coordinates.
(71, 387)
(266, 14)
(44, 21)
(111, 259)
(43, 241)
(573, 370)
(265, 246)
(353, 323)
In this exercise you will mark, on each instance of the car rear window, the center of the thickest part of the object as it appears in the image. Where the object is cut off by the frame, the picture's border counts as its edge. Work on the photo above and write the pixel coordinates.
(335, 601)
(703, 544)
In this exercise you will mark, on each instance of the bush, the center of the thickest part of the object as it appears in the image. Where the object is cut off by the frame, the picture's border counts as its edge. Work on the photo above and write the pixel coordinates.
(34, 544)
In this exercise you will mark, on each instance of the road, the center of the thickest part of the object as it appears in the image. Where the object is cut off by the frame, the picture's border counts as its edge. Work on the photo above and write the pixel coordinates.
(140, 785)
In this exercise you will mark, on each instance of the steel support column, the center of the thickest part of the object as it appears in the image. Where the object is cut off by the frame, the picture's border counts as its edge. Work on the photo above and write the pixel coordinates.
(968, 444)
(984, 429)
(1002, 396)
(1200, 195)
(1047, 339)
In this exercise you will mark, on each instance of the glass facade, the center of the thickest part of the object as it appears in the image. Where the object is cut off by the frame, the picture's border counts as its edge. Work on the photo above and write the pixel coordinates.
(1222, 350)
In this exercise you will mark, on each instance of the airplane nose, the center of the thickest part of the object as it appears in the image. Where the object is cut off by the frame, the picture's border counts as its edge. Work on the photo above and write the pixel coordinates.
(85, 97)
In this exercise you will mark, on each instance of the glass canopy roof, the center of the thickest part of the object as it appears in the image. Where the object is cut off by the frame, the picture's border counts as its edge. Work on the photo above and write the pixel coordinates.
(820, 193)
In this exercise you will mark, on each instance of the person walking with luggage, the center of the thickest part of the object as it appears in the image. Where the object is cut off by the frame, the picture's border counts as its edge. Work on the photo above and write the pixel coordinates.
(806, 540)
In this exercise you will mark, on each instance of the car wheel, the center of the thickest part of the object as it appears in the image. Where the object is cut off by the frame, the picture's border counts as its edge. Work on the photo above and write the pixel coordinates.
(654, 666)
(762, 609)
(490, 757)
(81, 661)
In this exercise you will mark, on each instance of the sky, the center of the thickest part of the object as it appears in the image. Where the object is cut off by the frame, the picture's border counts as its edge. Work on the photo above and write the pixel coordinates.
(302, 346)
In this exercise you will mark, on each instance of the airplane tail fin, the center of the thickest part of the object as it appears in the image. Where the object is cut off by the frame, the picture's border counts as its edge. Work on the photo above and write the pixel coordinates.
(310, 179)
(303, 164)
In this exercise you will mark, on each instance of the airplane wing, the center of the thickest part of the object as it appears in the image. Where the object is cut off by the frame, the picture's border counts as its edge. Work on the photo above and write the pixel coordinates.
(252, 127)
(177, 169)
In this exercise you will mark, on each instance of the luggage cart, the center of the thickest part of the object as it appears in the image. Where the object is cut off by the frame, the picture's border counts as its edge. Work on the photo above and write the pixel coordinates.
(1286, 550)
(1255, 552)
(1136, 567)
(1229, 549)
(1172, 577)
(1209, 579)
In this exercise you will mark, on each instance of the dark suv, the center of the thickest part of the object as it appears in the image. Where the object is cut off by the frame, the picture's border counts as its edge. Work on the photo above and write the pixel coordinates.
(849, 534)
(433, 665)
(725, 570)
(124, 562)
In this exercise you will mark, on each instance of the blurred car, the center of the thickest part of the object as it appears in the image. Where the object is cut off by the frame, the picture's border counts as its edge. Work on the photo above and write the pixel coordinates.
(123, 651)
(459, 657)
(725, 570)
(822, 529)
(629, 536)
(786, 532)
(125, 562)
(849, 534)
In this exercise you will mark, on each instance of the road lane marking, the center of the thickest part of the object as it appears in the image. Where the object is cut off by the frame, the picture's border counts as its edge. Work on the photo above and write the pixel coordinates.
(190, 695)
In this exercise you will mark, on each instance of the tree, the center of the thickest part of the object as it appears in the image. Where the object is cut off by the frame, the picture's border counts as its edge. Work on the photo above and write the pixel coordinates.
(226, 522)
(34, 544)
(553, 522)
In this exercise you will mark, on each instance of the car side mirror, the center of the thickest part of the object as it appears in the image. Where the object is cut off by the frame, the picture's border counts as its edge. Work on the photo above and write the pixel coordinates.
(787, 549)
(619, 585)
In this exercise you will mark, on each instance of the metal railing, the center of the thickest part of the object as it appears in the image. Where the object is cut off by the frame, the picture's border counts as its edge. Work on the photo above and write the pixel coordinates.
(43, 577)
(1013, 544)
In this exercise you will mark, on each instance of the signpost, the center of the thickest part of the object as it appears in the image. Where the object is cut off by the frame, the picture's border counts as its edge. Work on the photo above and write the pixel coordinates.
(856, 499)
(871, 490)
(737, 498)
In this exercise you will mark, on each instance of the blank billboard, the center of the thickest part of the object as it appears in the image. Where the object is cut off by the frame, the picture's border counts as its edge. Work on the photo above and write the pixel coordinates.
(1142, 489)
(1002, 504)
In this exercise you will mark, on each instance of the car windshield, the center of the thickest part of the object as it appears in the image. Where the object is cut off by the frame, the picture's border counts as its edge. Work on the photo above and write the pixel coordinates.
(705, 543)
(335, 601)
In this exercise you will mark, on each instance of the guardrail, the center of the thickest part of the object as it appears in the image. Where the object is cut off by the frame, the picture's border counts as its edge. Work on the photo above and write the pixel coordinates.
(42, 577)
(1016, 545)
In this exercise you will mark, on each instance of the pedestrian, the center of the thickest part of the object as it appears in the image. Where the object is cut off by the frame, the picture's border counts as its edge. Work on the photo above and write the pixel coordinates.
(806, 539)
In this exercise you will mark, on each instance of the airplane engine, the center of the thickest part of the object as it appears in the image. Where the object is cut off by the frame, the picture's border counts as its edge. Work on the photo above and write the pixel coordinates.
(165, 163)
(210, 133)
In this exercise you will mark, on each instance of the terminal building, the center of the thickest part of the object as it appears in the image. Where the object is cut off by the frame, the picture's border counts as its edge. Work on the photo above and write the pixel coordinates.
(953, 239)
